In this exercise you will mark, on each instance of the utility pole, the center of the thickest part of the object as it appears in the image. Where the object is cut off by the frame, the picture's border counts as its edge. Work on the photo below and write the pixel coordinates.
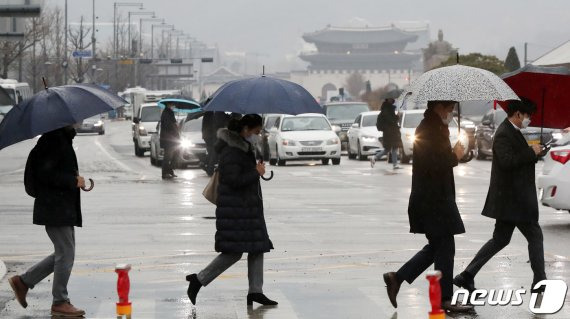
(525, 53)
(93, 45)
(65, 55)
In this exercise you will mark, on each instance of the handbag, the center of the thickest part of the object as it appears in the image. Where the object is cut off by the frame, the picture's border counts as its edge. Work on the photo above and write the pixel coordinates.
(211, 190)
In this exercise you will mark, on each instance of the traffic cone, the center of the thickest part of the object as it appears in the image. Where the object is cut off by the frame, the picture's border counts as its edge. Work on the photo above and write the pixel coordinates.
(435, 295)
(123, 286)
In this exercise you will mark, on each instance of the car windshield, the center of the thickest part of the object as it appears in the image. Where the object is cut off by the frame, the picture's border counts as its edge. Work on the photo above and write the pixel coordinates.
(150, 114)
(345, 112)
(369, 120)
(192, 126)
(305, 124)
(412, 120)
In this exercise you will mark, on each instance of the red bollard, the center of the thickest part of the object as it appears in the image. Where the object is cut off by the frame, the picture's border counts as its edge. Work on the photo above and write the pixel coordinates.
(123, 286)
(435, 295)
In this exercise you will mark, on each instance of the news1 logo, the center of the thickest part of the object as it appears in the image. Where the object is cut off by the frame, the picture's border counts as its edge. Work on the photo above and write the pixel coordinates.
(552, 299)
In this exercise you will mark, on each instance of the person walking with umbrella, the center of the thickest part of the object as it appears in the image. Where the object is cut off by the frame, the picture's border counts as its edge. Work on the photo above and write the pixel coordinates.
(169, 139)
(512, 199)
(240, 223)
(432, 209)
(391, 138)
(55, 183)
(211, 123)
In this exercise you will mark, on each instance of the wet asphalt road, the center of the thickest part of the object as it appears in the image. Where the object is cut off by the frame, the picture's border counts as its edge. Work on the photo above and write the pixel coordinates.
(336, 229)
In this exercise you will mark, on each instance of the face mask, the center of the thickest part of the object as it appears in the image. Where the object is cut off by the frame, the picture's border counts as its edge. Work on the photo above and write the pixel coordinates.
(525, 122)
(448, 120)
(253, 139)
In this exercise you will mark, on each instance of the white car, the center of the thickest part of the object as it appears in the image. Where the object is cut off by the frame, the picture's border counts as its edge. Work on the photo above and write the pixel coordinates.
(554, 182)
(363, 136)
(409, 121)
(145, 123)
(303, 137)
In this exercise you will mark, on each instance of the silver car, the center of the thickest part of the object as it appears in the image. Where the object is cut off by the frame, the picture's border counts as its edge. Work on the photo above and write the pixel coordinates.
(93, 124)
(191, 147)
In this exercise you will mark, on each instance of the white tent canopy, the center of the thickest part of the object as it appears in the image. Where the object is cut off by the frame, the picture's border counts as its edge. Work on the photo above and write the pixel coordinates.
(556, 57)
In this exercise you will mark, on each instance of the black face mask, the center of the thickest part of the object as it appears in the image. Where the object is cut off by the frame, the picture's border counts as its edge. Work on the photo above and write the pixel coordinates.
(70, 132)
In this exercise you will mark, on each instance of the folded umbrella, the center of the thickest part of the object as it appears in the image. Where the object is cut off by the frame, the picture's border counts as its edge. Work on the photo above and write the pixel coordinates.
(55, 108)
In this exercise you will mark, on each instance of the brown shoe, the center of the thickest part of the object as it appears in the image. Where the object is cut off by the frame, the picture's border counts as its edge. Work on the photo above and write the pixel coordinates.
(66, 310)
(20, 290)
(392, 286)
(459, 308)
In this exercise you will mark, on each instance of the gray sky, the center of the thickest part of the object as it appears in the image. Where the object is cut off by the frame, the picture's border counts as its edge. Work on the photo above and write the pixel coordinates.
(274, 27)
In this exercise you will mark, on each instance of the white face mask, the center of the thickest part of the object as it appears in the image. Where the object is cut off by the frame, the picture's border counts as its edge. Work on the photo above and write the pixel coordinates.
(253, 139)
(525, 122)
(448, 120)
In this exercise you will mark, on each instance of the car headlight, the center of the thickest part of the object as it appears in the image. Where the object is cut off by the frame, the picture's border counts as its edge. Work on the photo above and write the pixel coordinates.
(142, 131)
(333, 141)
(185, 143)
(289, 143)
(98, 123)
(368, 139)
(411, 137)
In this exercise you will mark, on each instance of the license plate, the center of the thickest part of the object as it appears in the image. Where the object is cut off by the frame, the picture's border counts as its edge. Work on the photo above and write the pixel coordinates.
(86, 126)
(311, 149)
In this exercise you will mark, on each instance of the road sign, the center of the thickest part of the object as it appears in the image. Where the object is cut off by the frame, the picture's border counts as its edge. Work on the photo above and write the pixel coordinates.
(81, 54)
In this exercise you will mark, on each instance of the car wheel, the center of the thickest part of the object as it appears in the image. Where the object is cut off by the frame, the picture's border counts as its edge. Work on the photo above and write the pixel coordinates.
(360, 156)
(336, 161)
(102, 133)
(404, 158)
(138, 151)
(350, 154)
(325, 161)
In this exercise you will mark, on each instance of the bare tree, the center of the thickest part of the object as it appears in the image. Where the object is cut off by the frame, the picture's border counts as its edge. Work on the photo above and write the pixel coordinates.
(10, 51)
(355, 83)
(77, 38)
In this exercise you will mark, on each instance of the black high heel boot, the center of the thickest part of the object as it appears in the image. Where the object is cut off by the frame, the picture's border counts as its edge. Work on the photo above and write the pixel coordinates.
(260, 299)
(193, 287)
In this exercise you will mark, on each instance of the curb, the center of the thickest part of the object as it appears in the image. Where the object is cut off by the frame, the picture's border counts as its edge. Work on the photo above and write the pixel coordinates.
(2, 270)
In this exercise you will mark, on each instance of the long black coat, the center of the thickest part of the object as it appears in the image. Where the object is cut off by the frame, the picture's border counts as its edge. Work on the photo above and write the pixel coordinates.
(211, 123)
(388, 120)
(432, 209)
(169, 133)
(512, 191)
(240, 222)
(54, 171)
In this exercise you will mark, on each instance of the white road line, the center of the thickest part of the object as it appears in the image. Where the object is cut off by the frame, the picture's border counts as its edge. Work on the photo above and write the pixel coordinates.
(118, 162)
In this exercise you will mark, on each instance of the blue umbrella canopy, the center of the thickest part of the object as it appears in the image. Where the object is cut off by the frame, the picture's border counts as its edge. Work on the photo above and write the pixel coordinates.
(181, 104)
(55, 108)
(263, 95)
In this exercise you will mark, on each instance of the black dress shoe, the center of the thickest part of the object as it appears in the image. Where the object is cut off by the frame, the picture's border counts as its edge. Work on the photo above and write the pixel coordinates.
(392, 286)
(193, 287)
(167, 176)
(464, 281)
(447, 306)
(260, 299)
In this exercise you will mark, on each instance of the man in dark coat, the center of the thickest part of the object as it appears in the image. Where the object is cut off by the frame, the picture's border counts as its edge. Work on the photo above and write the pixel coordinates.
(512, 199)
(387, 122)
(56, 183)
(169, 141)
(432, 209)
(211, 123)
(240, 222)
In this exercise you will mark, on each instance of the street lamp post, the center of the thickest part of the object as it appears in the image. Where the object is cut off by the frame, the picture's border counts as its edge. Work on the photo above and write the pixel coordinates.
(115, 35)
(169, 43)
(133, 13)
(141, 28)
(162, 25)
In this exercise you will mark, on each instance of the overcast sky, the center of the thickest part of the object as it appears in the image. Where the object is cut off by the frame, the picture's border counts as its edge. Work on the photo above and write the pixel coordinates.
(273, 28)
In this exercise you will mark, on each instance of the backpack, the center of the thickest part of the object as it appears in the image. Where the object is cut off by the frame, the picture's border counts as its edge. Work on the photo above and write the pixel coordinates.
(29, 181)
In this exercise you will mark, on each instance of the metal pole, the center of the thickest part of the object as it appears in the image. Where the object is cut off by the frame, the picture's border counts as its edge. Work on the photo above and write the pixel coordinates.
(114, 30)
(152, 42)
(93, 33)
(129, 36)
(65, 47)
(525, 53)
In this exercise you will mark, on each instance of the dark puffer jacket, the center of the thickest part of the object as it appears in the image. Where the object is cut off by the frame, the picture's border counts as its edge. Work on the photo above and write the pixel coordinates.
(240, 222)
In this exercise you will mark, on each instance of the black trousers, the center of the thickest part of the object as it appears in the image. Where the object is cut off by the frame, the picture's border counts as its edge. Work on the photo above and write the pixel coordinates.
(439, 251)
(168, 161)
(502, 237)
(212, 160)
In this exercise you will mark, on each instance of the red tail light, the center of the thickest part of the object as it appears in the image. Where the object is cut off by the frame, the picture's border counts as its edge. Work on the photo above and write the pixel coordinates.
(561, 156)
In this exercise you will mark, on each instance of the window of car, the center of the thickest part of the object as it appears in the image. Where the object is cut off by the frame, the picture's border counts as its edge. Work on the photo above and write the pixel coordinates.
(150, 114)
(369, 120)
(192, 126)
(345, 112)
(277, 122)
(357, 120)
(412, 120)
(270, 122)
(305, 123)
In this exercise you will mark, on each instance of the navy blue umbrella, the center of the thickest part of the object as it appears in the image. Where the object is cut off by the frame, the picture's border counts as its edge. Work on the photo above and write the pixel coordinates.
(55, 108)
(263, 95)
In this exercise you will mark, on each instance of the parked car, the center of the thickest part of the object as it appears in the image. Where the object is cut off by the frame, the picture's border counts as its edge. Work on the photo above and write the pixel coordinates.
(192, 148)
(145, 123)
(343, 114)
(409, 121)
(303, 137)
(93, 124)
(491, 121)
(554, 181)
(268, 123)
(363, 136)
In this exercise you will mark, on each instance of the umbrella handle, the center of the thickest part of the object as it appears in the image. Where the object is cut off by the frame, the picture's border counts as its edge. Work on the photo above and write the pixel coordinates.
(268, 178)
(45, 83)
(88, 189)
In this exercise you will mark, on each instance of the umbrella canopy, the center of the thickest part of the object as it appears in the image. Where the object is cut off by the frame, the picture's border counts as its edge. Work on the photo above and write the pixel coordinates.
(55, 108)
(548, 88)
(459, 83)
(181, 104)
(263, 95)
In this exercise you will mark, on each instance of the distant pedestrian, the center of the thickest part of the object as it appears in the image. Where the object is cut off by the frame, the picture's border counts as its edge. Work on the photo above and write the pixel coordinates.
(512, 199)
(387, 122)
(55, 183)
(169, 141)
(211, 123)
(432, 209)
(240, 222)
